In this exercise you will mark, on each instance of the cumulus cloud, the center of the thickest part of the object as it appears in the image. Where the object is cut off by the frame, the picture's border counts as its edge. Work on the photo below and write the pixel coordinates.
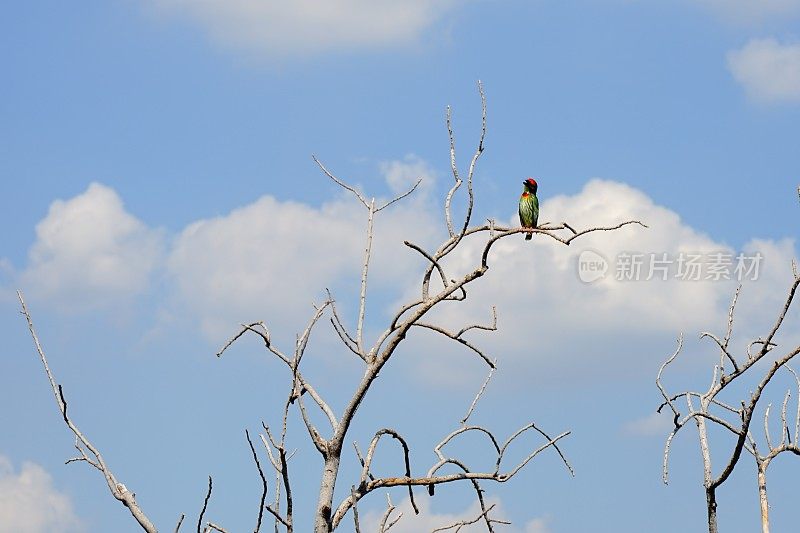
(279, 28)
(30, 504)
(90, 251)
(768, 70)
(537, 525)
(551, 320)
(277, 257)
(271, 260)
(401, 175)
(428, 519)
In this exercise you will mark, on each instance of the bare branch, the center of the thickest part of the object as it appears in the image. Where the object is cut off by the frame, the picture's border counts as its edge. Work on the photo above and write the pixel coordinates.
(300, 385)
(302, 341)
(458, 525)
(768, 341)
(361, 458)
(478, 152)
(480, 393)
(385, 525)
(316, 437)
(454, 168)
(410, 315)
(456, 338)
(278, 517)
(667, 399)
(118, 490)
(464, 429)
(249, 327)
(506, 232)
(730, 318)
(667, 446)
(398, 198)
(435, 263)
(362, 300)
(491, 327)
(367, 463)
(741, 427)
(319, 401)
(784, 426)
(338, 327)
(723, 351)
(448, 478)
(263, 482)
(797, 415)
(357, 525)
(550, 442)
(340, 182)
(205, 505)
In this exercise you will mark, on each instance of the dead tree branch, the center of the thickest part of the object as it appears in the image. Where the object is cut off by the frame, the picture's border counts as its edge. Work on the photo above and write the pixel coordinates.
(737, 421)
(263, 482)
(385, 524)
(118, 490)
(462, 523)
(205, 505)
(410, 316)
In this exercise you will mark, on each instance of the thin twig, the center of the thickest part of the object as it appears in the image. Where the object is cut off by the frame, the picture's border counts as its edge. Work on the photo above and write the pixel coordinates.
(458, 525)
(356, 523)
(341, 183)
(180, 521)
(205, 505)
(263, 482)
(480, 393)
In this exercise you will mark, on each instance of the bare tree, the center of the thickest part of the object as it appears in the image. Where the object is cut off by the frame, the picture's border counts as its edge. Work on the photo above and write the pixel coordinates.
(436, 287)
(735, 417)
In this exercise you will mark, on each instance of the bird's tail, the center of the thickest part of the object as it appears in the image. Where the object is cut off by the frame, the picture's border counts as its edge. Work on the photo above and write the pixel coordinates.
(528, 236)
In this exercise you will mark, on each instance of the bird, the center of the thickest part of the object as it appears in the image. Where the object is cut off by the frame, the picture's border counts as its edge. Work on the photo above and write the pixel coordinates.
(529, 206)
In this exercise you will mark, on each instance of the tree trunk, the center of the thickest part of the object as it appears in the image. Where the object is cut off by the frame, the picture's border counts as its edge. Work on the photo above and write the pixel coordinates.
(762, 495)
(711, 504)
(322, 519)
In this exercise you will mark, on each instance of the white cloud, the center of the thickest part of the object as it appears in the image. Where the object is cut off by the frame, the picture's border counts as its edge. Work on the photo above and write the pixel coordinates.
(546, 272)
(768, 70)
(402, 175)
(654, 424)
(428, 519)
(89, 252)
(537, 525)
(552, 322)
(30, 504)
(278, 28)
(273, 259)
(752, 10)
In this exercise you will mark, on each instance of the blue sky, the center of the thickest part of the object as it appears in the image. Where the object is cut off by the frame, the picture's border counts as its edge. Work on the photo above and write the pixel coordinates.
(157, 189)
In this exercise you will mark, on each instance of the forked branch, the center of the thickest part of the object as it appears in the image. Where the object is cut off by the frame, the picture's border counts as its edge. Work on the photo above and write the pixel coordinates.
(409, 316)
(736, 420)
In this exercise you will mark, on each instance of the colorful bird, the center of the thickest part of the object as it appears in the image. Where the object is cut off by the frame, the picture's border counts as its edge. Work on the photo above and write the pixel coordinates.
(529, 206)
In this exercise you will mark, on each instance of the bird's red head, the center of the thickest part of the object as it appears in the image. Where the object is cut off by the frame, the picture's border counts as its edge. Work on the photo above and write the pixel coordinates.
(531, 184)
